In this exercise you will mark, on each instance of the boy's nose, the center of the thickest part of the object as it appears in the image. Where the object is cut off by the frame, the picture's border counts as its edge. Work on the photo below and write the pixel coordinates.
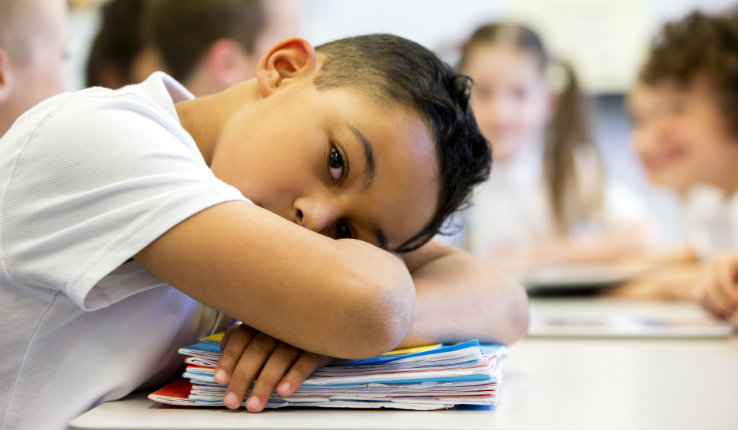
(661, 128)
(501, 110)
(316, 214)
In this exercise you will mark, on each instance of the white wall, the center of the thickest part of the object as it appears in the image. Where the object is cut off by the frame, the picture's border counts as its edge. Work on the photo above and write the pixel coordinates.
(605, 39)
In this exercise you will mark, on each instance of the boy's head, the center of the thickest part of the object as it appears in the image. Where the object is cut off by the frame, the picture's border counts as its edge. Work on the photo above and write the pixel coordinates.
(396, 71)
(118, 56)
(511, 98)
(371, 137)
(33, 39)
(211, 45)
(685, 105)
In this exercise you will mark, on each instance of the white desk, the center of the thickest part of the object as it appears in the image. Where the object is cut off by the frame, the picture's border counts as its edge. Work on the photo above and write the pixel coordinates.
(548, 383)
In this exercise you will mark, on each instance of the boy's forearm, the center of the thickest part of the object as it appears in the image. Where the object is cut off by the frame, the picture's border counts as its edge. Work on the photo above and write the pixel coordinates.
(671, 282)
(460, 297)
(344, 299)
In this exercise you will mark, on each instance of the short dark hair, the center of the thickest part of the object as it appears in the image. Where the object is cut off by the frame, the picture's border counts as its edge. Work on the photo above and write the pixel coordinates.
(183, 30)
(699, 44)
(394, 70)
(116, 44)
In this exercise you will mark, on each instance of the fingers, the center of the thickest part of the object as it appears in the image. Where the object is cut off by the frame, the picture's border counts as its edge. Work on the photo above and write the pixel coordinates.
(305, 365)
(276, 366)
(249, 356)
(717, 289)
(712, 298)
(726, 267)
(248, 367)
(227, 335)
(705, 291)
(233, 344)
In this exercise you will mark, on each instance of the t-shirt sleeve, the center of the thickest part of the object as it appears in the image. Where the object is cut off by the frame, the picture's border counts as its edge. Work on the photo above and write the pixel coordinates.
(97, 181)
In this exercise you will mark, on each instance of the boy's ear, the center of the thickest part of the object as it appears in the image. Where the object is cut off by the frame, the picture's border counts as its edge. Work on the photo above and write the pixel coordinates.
(286, 61)
(6, 76)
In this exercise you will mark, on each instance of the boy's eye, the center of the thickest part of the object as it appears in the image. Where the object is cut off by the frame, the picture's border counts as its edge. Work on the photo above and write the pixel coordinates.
(343, 230)
(335, 164)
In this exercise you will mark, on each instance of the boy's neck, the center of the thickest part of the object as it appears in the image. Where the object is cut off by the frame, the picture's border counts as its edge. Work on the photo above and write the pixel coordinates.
(204, 117)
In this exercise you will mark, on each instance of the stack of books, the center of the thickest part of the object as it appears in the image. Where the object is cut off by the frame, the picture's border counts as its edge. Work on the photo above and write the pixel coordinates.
(423, 378)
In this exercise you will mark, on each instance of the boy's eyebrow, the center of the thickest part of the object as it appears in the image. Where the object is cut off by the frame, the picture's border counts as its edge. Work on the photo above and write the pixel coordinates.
(369, 177)
(369, 154)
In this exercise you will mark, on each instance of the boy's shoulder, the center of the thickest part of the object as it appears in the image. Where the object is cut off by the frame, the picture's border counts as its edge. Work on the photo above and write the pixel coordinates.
(95, 109)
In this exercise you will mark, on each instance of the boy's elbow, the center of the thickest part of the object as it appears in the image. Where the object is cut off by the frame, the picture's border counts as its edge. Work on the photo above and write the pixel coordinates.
(512, 312)
(521, 313)
(383, 313)
(518, 312)
(392, 318)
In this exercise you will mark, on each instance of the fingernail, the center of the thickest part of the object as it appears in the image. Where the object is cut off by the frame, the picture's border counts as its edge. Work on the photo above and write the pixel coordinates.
(231, 400)
(253, 403)
(220, 376)
(284, 388)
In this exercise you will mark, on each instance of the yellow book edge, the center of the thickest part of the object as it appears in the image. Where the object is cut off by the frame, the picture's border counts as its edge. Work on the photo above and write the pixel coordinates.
(217, 337)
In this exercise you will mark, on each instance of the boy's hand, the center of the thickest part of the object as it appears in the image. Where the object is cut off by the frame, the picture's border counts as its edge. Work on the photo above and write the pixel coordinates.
(717, 288)
(249, 355)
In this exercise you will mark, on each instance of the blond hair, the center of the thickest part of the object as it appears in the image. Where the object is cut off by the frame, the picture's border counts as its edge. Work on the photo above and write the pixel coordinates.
(20, 21)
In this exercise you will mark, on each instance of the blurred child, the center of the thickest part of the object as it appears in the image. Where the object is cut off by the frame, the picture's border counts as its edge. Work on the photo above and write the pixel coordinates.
(548, 200)
(118, 56)
(301, 202)
(685, 114)
(206, 45)
(33, 49)
(211, 45)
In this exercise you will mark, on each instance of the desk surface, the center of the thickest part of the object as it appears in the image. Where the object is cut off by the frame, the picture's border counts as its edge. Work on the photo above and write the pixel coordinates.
(550, 383)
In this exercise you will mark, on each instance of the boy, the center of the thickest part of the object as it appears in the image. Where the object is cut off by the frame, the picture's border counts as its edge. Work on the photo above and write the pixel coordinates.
(117, 205)
(33, 39)
(207, 46)
(684, 109)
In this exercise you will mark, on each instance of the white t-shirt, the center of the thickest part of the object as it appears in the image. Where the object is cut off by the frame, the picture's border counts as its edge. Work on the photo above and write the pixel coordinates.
(512, 207)
(711, 220)
(87, 179)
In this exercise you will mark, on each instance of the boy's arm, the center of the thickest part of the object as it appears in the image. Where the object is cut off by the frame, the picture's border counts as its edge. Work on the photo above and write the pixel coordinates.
(670, 275)
(460, 297)
(341, 298)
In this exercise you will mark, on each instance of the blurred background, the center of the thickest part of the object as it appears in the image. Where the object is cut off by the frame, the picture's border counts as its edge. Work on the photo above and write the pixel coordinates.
(605, 40)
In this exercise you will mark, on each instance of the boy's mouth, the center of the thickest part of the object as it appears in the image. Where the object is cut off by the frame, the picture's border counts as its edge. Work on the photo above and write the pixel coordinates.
(663, 159)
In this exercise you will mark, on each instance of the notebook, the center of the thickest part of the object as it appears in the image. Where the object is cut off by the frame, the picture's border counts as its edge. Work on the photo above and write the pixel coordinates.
(426, 378)
(628, 326)
(552, 280)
